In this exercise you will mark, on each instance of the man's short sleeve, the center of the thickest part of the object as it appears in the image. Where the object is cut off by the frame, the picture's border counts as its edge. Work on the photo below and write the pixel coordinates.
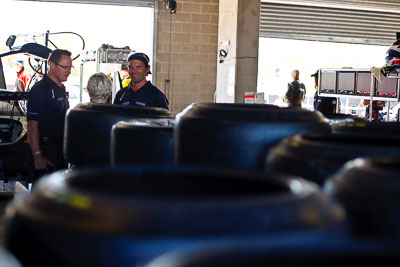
(35, 104)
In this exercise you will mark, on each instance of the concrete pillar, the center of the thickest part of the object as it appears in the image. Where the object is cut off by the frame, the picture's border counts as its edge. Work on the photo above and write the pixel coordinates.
(238, 34)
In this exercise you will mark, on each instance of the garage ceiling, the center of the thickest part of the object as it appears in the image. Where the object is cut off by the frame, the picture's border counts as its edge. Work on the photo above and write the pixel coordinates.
(361, 22)
(139, 3)
(372, 5)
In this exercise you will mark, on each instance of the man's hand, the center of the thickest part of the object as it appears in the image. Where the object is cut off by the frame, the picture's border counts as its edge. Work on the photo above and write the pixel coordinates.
(42, 163)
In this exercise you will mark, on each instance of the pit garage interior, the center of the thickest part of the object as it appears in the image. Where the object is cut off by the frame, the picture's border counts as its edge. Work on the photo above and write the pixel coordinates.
(225, 177)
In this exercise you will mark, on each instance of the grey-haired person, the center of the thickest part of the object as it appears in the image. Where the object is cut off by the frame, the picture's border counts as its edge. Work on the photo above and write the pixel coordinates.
(99, 87)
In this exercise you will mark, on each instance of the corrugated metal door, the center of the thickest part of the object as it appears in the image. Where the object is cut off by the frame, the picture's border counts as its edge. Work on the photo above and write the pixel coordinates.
(362, 22)
(139, 3)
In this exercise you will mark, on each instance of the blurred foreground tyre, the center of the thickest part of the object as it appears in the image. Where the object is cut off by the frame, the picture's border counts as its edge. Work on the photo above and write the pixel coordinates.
(340, 118)
(88, 130)
(388, 130)
(369, 189)
(142, 141)
(316, 156)
(127, 216)
(7, 259)
(238, 136)
(277, 252)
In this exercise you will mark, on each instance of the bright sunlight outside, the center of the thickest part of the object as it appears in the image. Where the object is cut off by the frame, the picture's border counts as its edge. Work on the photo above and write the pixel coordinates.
(119, 26)
(278, 57)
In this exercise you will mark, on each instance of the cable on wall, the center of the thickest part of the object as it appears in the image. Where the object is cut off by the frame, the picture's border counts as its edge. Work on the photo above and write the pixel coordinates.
(168, 82)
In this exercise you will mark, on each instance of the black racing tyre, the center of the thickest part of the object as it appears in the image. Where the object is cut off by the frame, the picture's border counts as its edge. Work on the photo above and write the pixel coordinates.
(237, 136)
(373, 129)
(369, 189)
(317, 156)
(124, 216)
(12, 131)
(88, 130)
(287, 252)
(142, 141)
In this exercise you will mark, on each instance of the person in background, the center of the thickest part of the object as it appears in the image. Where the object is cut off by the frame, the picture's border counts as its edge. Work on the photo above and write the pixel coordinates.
(140, 92)
(124, 74)
(325, 105)
(377, 105)
(99, 88)
(47, 106)
(296, 91)
(22, 78)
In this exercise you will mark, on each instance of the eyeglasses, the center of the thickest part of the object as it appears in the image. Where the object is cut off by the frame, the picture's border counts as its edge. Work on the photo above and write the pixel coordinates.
(64, 67)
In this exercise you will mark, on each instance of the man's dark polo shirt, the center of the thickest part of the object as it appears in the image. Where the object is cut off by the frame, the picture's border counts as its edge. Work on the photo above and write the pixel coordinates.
(147, 96)
(47, 104)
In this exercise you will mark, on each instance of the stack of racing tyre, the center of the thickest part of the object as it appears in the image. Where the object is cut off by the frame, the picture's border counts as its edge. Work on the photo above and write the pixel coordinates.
(218, 185)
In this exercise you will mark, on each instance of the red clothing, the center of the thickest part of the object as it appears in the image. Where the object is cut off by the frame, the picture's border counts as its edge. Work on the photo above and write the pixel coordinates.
(22, 81)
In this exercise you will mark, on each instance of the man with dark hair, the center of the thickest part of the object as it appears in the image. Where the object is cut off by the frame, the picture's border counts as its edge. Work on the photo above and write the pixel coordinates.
(140, 92)
(296, 91)
(325, 105)
(47, 106)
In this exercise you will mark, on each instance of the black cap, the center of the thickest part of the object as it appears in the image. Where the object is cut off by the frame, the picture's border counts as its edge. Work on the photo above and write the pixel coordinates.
(142, 57)
(315, 74)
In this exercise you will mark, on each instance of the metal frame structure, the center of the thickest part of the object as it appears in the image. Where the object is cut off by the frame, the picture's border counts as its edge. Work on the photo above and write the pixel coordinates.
(372, 96)
(106, 55)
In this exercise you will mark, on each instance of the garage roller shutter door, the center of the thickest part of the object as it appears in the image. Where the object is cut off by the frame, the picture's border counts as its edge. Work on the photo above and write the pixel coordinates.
(364, 23)
(139, 3)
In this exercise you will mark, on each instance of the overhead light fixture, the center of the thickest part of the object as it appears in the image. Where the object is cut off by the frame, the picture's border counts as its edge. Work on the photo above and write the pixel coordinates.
(171, 5)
